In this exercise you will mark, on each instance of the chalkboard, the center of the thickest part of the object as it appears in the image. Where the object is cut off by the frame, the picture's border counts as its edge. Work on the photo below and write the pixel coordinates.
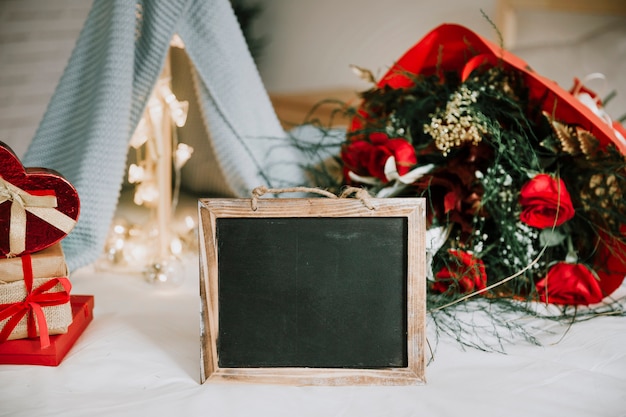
(312, 291)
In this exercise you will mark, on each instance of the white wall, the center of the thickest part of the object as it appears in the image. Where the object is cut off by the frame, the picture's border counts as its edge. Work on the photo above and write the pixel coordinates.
(36, 39)
(311, 44)
(562, 46)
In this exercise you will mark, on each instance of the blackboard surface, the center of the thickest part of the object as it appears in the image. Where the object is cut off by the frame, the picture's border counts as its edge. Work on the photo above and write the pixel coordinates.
(314, 292)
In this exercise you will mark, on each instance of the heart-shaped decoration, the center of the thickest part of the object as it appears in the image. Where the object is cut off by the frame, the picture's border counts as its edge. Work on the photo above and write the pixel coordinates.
(38, 207)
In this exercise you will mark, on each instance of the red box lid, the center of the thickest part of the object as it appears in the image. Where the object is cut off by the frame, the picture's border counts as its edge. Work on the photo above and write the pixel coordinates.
(29, 352)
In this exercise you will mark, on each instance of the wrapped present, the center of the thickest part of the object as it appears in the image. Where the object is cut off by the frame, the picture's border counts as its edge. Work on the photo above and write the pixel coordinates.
(34, 307)
(29, 351)
(38, 207)
(47, 263)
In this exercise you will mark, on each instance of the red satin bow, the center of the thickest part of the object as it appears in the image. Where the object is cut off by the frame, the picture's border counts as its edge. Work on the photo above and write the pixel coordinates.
(33, 305)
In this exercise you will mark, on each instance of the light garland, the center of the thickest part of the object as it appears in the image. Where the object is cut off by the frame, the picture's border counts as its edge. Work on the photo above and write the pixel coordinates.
(155, 249)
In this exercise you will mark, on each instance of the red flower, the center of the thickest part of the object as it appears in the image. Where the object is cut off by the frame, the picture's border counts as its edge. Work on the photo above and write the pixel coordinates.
(355, 156)
(569, 284)
(466, 274)
(368, 158)
(545, 202)
(610, 261)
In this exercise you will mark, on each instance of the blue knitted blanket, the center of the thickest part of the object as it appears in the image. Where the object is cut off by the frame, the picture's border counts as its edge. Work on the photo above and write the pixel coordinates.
(104, 89)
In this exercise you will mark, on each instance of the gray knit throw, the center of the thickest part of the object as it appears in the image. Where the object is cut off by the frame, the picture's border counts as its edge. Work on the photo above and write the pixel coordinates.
(101, 96)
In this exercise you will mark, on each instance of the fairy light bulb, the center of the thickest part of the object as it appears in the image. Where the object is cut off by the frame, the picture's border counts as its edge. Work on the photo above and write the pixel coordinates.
(141, 135)
(165, 273)
(166, 91)
(146, 193)
(132, 247)
(120, 229)
(136, 253)
(119, 244)
(136, 173)
(190, 222)
(176, 246)
(179, 111)
(182, 155)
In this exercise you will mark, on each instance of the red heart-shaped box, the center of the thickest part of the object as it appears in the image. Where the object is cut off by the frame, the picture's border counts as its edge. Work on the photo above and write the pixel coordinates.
(44, 226)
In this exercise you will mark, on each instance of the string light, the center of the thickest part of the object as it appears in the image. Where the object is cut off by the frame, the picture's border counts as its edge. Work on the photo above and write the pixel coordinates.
(136, 174)
(140, 137)
(182, 155)
(155, 249)
(146, 194)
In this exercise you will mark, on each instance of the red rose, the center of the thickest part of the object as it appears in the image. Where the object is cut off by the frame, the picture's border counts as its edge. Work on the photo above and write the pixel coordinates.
(465, 273)
(545, 202)
(368, 158)
(569, 284)
(355, 156)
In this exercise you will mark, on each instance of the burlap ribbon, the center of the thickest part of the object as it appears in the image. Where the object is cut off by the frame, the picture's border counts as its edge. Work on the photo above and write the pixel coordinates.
(42, 206)
(32, 305)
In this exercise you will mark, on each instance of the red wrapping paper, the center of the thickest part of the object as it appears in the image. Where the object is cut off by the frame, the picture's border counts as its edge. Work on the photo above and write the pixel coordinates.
(448, 47)
(29, 351)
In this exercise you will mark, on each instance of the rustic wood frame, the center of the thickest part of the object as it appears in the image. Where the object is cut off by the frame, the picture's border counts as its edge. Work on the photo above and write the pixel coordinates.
(413, 209)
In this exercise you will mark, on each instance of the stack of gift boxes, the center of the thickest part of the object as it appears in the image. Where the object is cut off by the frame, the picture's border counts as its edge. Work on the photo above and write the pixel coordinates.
(39, 319)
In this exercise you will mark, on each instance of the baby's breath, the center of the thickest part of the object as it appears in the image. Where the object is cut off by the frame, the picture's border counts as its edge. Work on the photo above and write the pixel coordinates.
(458, 123)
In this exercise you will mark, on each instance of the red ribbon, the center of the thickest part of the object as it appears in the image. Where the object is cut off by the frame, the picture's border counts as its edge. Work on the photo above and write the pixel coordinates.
(33, 305)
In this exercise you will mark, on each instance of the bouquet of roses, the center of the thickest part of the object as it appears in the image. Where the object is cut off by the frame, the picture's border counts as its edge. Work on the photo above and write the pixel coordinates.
(524, 181)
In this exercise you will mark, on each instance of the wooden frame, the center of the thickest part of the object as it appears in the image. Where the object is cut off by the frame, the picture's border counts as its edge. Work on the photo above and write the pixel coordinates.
(412, 209)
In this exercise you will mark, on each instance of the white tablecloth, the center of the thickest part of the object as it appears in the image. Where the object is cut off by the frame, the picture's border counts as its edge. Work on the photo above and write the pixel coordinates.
(141, 356)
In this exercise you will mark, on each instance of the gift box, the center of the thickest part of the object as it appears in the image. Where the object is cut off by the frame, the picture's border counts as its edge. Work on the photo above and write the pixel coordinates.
(47, 263)
(38, 207)
(41, 310)
(29, 351)
(34, 307)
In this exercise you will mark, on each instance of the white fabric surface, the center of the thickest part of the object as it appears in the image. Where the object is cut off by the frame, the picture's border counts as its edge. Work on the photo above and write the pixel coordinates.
(140, 356)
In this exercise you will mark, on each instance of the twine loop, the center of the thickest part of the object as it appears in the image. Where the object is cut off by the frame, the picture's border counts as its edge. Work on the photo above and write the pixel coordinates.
(360, 193)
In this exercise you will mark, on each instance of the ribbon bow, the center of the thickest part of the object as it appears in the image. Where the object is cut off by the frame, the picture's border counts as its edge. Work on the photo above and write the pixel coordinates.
(591, 100)
(42, 206)
(33, 305)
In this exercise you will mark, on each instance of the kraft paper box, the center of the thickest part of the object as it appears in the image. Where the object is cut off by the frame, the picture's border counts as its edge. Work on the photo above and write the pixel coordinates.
(29, 351)
(47, 263)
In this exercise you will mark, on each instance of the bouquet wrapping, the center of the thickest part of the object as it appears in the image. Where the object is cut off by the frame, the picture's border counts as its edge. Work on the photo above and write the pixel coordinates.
(524, 180)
